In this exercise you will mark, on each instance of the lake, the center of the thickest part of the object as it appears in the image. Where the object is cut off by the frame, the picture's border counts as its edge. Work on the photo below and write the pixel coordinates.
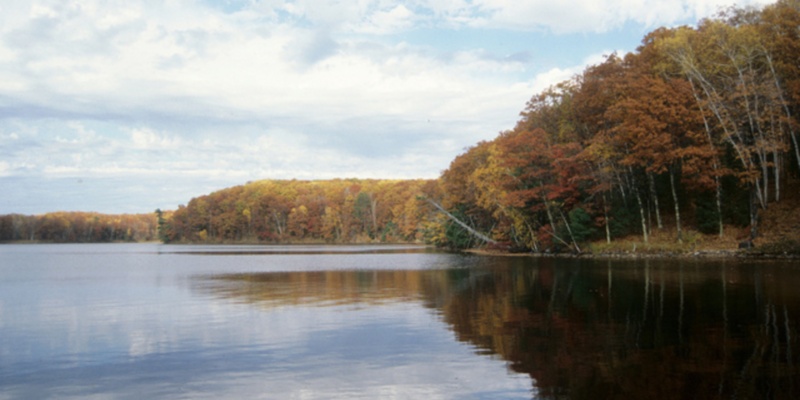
(399, 322)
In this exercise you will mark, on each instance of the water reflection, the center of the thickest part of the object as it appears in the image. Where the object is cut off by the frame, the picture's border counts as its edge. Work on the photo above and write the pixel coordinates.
(324, 288)
(583, 329)
(144, 321)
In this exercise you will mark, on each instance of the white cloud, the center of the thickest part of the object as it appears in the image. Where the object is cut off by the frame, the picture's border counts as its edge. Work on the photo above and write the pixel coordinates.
(588, 16)
(9, 136)
(391, 20)
(144, 138)
(172, 59)
(555, 76)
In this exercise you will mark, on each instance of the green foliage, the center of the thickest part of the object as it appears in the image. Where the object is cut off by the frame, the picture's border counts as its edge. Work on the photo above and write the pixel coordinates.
(161, 226)
(457, 236)
(581, 224)
(623, 220)
(737, 203)
(390, 232)
(706, 214)
(362, 212)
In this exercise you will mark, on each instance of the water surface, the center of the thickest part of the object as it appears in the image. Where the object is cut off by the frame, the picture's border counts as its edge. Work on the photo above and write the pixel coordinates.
(155, 321)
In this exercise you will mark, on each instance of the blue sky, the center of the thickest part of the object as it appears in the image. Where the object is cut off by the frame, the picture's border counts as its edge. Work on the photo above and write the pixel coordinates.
(128, 106)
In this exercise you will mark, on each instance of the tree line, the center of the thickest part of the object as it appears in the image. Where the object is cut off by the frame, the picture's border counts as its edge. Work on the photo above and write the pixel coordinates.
(78, 227)
(337, 211)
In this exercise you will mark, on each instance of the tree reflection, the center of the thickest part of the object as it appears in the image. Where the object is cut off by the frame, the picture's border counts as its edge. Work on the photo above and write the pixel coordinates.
(581, 329)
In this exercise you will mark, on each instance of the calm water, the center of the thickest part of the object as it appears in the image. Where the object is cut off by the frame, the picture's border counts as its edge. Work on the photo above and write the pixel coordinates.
(154, 321)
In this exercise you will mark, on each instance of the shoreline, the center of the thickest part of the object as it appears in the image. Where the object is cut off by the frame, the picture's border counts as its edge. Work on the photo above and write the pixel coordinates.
(724, 254)
(700, 254)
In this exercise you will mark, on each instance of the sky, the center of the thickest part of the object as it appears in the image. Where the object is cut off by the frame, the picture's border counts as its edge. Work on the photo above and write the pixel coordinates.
(125, 106)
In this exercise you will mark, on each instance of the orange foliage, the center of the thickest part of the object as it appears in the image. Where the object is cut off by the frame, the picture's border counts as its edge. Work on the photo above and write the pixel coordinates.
(338, 210)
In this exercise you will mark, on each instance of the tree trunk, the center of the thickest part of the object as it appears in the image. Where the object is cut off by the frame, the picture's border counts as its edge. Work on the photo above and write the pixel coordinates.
(553, 224)
(569, 229)
(765, 173)
(468, 228)
(776, 159)
(605, 215)
(719, 205)
(715, 162)
(642, 215)
(753, 213)
(641, 208)
(654, 196)
(677, 206)
(373, 204)
(278, 224)
(759, 195)
(785, 105)
(534, 240)
(621, 188)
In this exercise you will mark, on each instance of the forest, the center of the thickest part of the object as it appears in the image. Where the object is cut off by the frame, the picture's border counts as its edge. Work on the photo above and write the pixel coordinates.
(694, 133)
(337, 211)
(78, 227)
(696, 129)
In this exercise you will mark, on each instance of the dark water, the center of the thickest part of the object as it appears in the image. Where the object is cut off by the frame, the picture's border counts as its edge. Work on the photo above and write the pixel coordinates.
(151, 321)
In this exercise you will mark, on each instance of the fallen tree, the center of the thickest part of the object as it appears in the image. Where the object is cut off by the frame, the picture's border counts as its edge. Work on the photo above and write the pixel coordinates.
(471, 230)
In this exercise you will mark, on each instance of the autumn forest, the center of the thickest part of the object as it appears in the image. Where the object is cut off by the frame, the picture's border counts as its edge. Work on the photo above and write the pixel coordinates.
(693, 134)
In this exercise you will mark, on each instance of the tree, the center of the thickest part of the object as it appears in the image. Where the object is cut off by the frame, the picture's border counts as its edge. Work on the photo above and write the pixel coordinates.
(162, 226)
(734, 77)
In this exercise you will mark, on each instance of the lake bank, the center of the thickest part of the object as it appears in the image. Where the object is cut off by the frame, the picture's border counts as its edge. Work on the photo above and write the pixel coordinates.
(640, 251)
(702, 254)
(782, 251)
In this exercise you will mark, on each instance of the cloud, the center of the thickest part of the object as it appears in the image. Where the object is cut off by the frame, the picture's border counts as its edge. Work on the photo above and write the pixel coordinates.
(145, 138)
(178, 60)
(311, 47)
(579, 16)
(555, 76)
(396, 19)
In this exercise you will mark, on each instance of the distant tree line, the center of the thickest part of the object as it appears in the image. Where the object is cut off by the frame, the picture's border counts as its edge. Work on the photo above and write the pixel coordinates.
(336, 211)
(78, 227)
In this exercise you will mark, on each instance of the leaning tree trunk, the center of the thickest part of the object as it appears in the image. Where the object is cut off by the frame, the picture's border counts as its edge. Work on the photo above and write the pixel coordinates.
(569, 229)
(468, 228)
(553, 224)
